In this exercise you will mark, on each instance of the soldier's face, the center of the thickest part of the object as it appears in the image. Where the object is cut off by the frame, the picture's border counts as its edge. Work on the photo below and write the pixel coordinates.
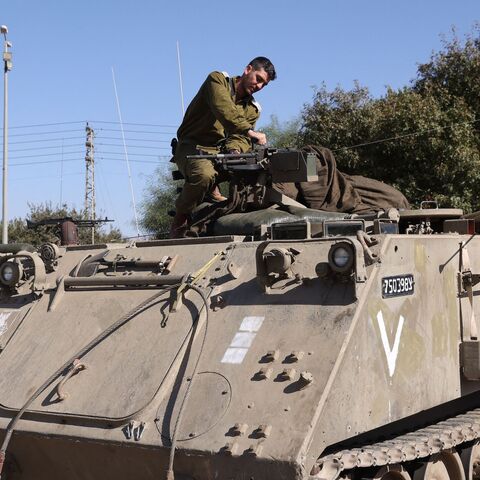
(254, 80)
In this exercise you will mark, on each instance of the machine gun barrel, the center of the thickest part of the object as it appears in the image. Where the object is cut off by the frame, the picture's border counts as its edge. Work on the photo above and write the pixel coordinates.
(221, 156)
(60, 221)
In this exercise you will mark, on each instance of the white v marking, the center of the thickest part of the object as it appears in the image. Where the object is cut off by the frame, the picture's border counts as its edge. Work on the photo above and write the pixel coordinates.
(390, 353)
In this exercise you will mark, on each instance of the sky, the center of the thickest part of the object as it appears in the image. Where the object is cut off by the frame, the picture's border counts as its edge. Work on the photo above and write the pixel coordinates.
(64, 52)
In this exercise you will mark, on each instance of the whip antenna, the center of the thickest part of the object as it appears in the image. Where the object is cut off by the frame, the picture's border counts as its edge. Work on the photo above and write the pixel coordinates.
(180, 78)
(126, 153)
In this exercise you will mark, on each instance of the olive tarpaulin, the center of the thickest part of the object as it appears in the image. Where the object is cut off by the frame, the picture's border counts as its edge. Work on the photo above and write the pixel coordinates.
(335, 191)
(335, 195)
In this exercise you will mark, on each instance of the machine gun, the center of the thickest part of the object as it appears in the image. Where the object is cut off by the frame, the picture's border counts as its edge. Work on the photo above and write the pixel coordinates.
(252, 175)
(67, 227)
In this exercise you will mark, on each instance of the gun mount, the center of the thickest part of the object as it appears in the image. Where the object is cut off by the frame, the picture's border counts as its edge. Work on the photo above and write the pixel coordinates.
(251, 175)
(251, 178)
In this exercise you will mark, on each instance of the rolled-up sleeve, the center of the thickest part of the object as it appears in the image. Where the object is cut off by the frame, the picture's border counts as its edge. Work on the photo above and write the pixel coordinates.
(223, 107)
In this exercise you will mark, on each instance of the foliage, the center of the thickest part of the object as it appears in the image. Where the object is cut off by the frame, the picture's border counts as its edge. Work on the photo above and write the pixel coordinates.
(159, 199)
(282, 135)
(337, 119)
(424, 138)
(455, 69)
(19, 233)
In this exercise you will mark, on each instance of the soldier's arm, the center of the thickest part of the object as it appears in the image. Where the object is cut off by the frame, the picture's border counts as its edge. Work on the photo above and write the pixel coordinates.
(243, 143)
(223, 107)
(238, 143)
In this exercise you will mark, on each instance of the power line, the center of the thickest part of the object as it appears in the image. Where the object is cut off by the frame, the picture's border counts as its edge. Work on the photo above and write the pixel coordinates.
(46, 148)
(136, 161)
(42, 133)
(134, 139)
(143, 132)
(81, 153)
(42, 162)
(76, 145)
(46, 155)
(80, 139)
(133, 146)
(137, 124)
(136, 131)
(45, 124)
(94, 121)
(49, 140)
(406, 135)
(137, 154)
(14, 179)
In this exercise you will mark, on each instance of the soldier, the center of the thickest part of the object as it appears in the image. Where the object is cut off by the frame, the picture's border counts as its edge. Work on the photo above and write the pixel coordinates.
(223, 111)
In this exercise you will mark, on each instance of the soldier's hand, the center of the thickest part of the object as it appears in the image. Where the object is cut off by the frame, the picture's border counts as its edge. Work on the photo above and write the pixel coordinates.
(258, 137)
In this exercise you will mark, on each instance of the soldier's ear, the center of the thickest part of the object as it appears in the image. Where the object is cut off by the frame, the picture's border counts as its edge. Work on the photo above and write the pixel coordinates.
(247, 70)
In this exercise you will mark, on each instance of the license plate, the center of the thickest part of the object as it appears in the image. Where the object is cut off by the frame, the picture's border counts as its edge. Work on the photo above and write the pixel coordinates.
(397, 285)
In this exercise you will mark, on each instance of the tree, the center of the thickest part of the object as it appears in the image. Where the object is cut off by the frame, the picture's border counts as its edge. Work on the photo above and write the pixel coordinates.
(423, 138)
(159, 200)
(338, 119)
(19, 233)
(455, 69)
(282, 135)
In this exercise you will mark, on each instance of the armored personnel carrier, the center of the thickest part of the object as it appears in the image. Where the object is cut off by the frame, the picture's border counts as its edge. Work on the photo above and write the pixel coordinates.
(313, 346)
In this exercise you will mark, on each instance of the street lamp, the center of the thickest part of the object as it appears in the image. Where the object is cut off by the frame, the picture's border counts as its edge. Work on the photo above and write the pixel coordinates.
(7, 59)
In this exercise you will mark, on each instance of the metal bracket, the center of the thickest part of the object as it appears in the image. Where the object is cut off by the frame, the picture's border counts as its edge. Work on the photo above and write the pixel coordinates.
(360, 269)
(134, 429)
(234, 270)
(469, 279)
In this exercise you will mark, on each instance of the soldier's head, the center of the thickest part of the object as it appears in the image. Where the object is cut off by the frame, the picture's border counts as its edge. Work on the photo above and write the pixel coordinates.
(256, 75)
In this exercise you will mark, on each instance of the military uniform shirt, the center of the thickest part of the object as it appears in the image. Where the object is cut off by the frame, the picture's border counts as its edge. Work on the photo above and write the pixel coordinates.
(214, 114)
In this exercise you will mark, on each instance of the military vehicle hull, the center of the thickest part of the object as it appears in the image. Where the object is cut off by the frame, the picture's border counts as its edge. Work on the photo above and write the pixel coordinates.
(289, 370)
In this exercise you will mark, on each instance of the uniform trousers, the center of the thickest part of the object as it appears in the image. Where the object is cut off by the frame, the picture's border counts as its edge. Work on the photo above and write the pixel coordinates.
(200, 177)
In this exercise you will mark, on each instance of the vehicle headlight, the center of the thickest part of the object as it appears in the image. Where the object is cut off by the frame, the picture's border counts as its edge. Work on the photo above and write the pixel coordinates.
(9, 273)
(341, 257)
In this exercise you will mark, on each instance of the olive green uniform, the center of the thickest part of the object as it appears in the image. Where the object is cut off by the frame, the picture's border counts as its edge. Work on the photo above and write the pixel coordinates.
(212, 116)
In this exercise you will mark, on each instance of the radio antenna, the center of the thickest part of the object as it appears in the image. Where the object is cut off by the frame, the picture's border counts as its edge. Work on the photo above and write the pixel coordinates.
(180, 78)
(126, 153)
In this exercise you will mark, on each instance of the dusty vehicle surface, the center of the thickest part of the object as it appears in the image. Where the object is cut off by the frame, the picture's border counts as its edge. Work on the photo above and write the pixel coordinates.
(336, 347)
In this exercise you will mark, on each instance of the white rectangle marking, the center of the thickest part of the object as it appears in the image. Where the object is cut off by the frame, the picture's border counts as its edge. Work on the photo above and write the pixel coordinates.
(234, 355)
(3, 322)
(251, 324)
(243, 339)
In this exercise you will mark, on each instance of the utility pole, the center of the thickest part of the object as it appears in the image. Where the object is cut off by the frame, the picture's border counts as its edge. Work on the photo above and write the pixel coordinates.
(7, 59)
(90, 177)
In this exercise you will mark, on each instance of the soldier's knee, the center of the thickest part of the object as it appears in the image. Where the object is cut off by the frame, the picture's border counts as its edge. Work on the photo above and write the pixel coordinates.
(202, 175)
(202, 179)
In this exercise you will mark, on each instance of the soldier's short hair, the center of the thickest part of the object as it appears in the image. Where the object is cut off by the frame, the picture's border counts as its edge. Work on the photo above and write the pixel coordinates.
(263, 62)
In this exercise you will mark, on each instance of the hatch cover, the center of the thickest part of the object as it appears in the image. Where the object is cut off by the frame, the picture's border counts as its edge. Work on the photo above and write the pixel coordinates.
(123, 372)
(207, 403)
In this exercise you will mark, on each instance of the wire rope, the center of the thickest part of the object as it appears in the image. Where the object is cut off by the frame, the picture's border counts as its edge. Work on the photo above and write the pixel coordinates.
(115, 326)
